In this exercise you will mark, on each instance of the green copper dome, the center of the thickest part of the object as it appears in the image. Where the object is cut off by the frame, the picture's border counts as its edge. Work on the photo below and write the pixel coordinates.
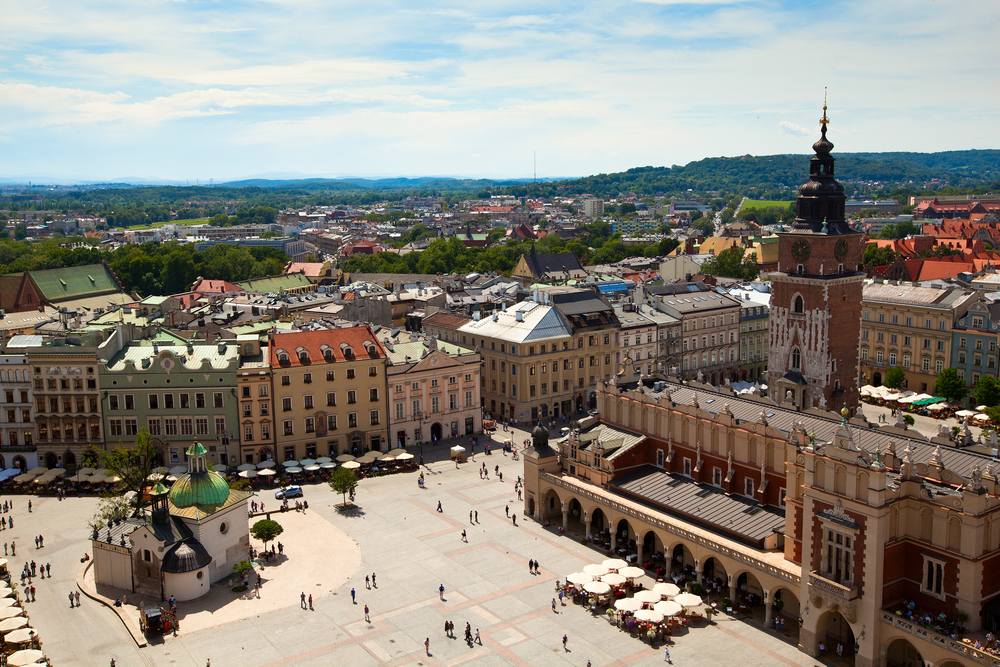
(200, 488)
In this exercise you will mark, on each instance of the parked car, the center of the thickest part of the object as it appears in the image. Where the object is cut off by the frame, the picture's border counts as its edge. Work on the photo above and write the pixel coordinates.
(293, 491)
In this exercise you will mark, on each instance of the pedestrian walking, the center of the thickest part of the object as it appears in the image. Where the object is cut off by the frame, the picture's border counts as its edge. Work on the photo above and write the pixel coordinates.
(537, 568)
(310, 601)
(29, 504)
(470, 516)
(281, 548)
(666, 655)
(427, 646)
(441, 592)
(368, 582)
(554, 606)
(32, 593)
(562, 602)
(506, 510)
(367, 617)
(531, 566)
(76, 594)
(439, 502)
(477, 516)
(302, 600)
(374, 585)
(513, 517)
(500, 475)
(464, 538)
(71, 600)
(354, 596)
(565, 642)
(446, 630)
(478, 640)
(48, 570)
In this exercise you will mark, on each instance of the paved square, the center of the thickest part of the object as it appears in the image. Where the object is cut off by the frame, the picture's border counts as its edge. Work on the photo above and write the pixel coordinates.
(412, 549)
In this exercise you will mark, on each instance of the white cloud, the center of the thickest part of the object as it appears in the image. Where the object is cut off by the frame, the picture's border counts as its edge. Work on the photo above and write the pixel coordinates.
(793, 129)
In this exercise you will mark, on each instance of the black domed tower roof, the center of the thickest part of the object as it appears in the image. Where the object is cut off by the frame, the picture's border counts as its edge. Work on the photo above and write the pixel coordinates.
(820, 204)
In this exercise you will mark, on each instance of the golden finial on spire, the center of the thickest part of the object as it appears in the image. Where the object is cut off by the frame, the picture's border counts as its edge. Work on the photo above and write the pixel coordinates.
(824, 121)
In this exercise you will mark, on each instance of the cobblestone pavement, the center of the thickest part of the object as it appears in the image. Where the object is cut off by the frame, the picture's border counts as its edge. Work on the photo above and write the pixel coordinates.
(412, 549)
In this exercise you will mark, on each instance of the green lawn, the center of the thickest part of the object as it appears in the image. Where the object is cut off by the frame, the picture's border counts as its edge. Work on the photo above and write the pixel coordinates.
(186, 221)
(764, 204)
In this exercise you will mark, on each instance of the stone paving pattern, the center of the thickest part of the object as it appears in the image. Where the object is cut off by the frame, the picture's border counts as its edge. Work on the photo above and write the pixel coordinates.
(396, 533)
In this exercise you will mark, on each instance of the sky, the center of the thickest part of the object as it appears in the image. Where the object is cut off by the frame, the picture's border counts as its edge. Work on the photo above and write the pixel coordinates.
(193, 90)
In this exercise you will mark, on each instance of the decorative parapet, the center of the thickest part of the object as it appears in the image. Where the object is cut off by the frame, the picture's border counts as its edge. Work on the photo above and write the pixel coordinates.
(967, 651)
(679, 531)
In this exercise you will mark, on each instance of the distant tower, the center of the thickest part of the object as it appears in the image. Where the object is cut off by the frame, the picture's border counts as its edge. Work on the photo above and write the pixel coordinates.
(815, 318)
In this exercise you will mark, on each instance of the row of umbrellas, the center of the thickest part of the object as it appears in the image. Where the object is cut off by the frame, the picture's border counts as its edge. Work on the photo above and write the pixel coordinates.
(42, 475)
(652, 605)
(15, 629)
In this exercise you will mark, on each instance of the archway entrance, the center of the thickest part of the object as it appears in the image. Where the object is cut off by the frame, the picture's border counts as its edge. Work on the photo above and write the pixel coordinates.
(902, 653)
(551, 508)
(21, 463)
(714, 577)
(876, 379)
(624, 538)
(785, 614)
(69, 461)
(51, 460)
(835, 639)
(435, 432)
(599, 531)
(991, 615)
(749, 592)
(681, 564)
(574, 518)
(652, 554)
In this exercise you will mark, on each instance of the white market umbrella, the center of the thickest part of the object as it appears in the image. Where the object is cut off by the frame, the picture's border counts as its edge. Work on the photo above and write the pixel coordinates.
(632, 572)
(628, 604)
(344, 458)
(154, 477)
(312, 467)
(667, 608)
(688, 600)
(19, 636)
(28, 656)
(649, 616)
(220, 467)
(457, 449)
(266, 472)
(265, 464)
(397, 451)
(980, 408)
(647, 597)
(614, 579)
(597, 588)
(246, 466)
(666, 590)
(369, 457)
(290, 463)
(595, 570)
(934, 407)
(293, 470)
(170, 478)
(405, 456)
(386, 459)
(7, 602)
(614, 564)
(982, 417)
(248, 474)
(579, 578)
(351, 465)
(178, 470)
(13, 623)
(324, 459)
(329, 465)
(965, 413)
(304, 463)
(6, 593)
(10, 612)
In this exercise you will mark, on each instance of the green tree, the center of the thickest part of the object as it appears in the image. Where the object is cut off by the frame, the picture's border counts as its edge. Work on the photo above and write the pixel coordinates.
(266, 530)
(987, 391)
(950, 386)
(133, 464)
(894, 377)
(876, 256)
(243, 568)
(343, 481)
(703, 226)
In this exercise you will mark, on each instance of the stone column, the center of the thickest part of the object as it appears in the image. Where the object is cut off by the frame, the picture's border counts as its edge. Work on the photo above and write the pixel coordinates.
(614, 542)
(638, 551)
(732, 589)
(586, 523)
(565, 515)
(697, 571)
(767, 608)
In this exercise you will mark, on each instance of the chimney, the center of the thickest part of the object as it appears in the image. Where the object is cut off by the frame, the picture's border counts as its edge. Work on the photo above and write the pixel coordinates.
(519, 315)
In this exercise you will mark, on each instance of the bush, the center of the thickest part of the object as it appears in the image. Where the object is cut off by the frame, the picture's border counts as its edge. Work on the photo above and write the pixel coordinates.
(908, 419)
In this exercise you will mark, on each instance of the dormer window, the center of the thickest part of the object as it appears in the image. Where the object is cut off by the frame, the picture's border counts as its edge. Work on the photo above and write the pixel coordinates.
(283, 357)
(327, 353)
(347, 351)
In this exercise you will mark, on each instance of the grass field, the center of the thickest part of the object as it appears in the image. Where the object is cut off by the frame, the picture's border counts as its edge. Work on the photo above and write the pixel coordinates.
(764, 204)
(186, 221)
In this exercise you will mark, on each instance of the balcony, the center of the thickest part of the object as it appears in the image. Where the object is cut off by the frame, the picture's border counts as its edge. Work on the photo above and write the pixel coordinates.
(832, 589)
(966, 647)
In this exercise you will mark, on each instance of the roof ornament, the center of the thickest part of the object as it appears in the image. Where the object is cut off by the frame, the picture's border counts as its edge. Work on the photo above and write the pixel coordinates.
(824, 121)
(977, 478)
(936, 458)
(906, 468)
(762, 418)
(877, 461)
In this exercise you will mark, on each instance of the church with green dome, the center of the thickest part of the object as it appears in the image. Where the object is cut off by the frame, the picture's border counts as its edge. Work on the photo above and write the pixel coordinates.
(189, 537)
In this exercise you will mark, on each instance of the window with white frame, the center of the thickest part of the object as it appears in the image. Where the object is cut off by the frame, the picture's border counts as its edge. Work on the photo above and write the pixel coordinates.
(933, 583)
(838, 555)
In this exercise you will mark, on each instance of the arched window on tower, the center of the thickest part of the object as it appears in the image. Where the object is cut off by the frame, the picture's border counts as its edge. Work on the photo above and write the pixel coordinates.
(798, 304)
(796, 358)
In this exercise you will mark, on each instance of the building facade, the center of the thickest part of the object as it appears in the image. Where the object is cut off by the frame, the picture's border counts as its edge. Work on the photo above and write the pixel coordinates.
(256, 407)
(974, 341)
(17, 407)
(329, 391)
(816, 296)
(755, 307)
(710, 334)
(179, 392)
(910, 327)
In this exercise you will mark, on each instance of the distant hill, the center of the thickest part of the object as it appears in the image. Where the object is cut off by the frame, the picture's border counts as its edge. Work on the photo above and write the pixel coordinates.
(783, 173)
(422, 183)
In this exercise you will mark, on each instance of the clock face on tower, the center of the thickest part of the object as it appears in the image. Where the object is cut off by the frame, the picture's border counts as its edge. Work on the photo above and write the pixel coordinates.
(801, 250)
(840, 250)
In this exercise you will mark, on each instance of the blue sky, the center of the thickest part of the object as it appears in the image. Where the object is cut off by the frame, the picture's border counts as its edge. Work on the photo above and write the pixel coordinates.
(185, 90)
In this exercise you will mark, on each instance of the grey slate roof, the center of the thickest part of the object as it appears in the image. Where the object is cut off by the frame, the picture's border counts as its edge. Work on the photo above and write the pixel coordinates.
(740, 518)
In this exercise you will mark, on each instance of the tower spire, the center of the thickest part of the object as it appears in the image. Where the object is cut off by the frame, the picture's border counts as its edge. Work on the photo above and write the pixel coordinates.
(824, 121)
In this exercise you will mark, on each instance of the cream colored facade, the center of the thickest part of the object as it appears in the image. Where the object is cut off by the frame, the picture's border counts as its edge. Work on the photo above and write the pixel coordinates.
(256, 407)
(909, 327)
(329, 390)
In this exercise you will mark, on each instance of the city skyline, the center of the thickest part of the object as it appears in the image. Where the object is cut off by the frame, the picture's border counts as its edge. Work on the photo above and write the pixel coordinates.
(223, 91)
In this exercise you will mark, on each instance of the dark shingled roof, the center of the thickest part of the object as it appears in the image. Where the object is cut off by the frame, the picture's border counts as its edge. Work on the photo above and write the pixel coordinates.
(542, 263)
(740, 518)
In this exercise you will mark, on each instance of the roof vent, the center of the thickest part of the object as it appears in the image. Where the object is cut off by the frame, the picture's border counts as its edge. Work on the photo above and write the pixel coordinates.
(519, 315)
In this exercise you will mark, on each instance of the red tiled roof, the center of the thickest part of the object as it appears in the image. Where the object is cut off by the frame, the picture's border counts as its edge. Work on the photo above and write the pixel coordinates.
(210, 286)
(445, 320)
(315, 343)
(311, 269)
